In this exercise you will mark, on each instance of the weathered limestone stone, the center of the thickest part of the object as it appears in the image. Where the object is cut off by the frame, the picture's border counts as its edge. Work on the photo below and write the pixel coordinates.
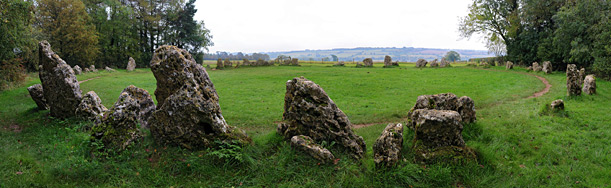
(573, 81)
(119, 126)
(589, 85)
(421, 63)
(188, 112)
(87, 70)
(77, 70)
(358, 64)
(387, 148)
(508, 65)
(219, 65)
(147, 106)
(91, 107)
(529, 68)
(309, 111)
(557, 105)
(438, 137)
(444, 63)
(61, 88)
(396, 63)
(339, 64)
(434, 63)
(307, 145)
(582, 75)
(92, 68)
(537, 67)
(131, 64)
(37, 94)
(109, 69)
(368, 62)
(245, 62)
(445, 101)
(295, 62)
(387, 61)
(547, 67)
(260, 62)
(237, 64)
(227, 63)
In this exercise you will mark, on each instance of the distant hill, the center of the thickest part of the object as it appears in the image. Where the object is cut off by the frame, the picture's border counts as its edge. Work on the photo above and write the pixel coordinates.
(405, 54)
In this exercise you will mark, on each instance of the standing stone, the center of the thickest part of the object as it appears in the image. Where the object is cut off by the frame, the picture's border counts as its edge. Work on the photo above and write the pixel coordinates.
(77, 70)
(92, 68)
(445, 101)
(547, 67)
(188, 112)
(61, 88)
(295, 62)
(589, 85)
(434, 63)
(91, 107)
(260, 62)
(508, 65)
(37, 94)
(438, 137)
(421, 63)
(582, 75)
(119, 126)
(444, 63)
(309, 111)
(227, 63)
(147, 106)
(245, 62)
(536, 67)
(306, 144)
(557, 105)
(387, 148)
(368, 62)
(387, 61)
(131, 64)
(219, 65)
(573, 83)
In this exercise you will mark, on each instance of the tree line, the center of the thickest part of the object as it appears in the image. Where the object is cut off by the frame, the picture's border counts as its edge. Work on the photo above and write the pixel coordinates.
(236, 56)
(561, 31)
(99, 32)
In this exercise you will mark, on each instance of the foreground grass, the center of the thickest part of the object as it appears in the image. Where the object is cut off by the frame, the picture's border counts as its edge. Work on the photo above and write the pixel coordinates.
(517, 147)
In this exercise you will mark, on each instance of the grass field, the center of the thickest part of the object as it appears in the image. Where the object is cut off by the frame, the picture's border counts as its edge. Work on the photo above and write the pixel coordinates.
(517, 147)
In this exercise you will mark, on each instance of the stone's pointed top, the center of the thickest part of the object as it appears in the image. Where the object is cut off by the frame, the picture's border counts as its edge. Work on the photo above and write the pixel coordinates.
(91, 107)
(62, 90)
(387, 148)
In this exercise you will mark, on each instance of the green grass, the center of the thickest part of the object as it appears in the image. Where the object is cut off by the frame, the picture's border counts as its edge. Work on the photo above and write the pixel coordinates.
(517, 147)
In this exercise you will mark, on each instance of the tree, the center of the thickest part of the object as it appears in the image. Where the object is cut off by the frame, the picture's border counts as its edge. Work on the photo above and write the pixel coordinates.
(67, 27)
(497, 20)
(452, 56)
(334, 57)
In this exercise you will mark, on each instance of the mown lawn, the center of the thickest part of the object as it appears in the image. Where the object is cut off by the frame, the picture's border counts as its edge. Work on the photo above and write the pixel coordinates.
(517, 147)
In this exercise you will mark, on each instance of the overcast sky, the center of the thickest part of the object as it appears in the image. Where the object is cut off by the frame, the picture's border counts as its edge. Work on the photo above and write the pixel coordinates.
(285, 25)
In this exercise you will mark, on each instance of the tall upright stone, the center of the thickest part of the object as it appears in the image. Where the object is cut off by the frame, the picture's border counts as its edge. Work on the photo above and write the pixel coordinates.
(387, 148)
(309, 111)
(582, 75)
(589, 85)
(219, 64)
(368, 62)
(547, 67)
(508, 65)
(131, 64)
(537, 67)
(188, 112)
(61, 88)
(573, 80)
(77, 70)
(387, 61)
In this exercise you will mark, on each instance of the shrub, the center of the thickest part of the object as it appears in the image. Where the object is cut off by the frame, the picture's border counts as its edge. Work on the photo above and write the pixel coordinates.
(12, 73)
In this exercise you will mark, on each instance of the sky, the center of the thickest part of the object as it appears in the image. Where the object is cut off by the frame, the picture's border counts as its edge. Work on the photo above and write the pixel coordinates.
(286, 25)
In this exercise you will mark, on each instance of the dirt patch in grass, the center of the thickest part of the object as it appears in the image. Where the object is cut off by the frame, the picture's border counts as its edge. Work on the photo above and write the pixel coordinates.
(80, 82)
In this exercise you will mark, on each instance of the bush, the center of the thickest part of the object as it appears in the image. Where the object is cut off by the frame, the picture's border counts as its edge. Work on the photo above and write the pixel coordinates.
(12, 73)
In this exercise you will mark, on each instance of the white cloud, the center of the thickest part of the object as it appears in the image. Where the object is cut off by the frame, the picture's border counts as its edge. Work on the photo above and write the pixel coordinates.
(283, 25)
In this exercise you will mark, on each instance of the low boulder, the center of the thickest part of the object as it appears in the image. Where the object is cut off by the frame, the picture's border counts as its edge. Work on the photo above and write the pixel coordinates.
(92, 68)
(508, 65)
(309, 111)
(434, 63)
(444, 63)
(438, 137)
(119, 126)
(396, 63)
(245, 62)
(307, 145)
(147, 106)
(87, 69)
(61, 88)
(589, 85)
(537, 67)
(109, 69)
(465, 106)
(557, 105)
(387, 148)
(529, 68)
(573, 81)
(421, 63)
(368, 62)
(295, 62)
(91, 107)
(547, 67)
(227, 63)
(339, 64)
(188, 112)
(77, 70)
(37, 94)
(131, 64)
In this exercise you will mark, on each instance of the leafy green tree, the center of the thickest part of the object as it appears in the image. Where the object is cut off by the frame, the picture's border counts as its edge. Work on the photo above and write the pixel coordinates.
(334, 57)
(67, 27)
(15, 26)
(497, 20)
(452, 56)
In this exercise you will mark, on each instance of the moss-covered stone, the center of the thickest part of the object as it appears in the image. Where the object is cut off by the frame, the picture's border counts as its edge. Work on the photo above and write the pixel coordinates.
(62, 91)
(387, 148)
(307, 145)
(119, 126)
